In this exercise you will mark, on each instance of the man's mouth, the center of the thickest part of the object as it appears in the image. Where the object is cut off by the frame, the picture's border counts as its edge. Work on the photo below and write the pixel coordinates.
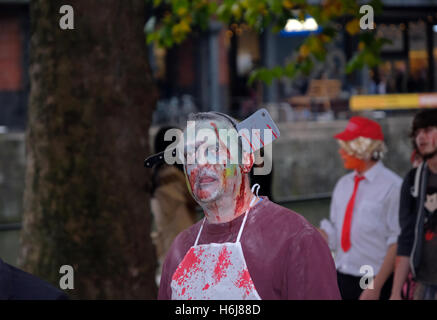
(422, 145)
(207, 179)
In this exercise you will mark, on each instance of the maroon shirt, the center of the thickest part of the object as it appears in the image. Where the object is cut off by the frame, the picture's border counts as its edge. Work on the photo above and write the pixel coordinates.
(286, 256)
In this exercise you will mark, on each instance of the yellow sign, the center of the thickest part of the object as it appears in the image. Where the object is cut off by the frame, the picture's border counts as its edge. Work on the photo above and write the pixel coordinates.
(393, 101)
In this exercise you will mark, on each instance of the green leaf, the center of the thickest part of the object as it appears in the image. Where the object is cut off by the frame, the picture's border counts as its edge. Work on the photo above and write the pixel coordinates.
(156, 3)
(277, 72)
(370, 59)
(329, 31)
(306, 66)
(275, 6)
(290, 70)
(355, 63)
(377, 6)
(320, 54)
(212, 8)
(224, 12)
(258, 14)
(150, 37)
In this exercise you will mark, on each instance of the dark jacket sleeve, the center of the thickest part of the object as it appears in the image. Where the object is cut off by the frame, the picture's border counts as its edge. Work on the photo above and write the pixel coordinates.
(19, 285)
(407, 216)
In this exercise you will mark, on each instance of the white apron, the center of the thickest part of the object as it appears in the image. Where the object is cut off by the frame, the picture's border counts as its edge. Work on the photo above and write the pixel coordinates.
(215, 271)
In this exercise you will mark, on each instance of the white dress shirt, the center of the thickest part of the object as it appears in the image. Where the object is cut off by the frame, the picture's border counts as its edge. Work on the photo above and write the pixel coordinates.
(375, 223)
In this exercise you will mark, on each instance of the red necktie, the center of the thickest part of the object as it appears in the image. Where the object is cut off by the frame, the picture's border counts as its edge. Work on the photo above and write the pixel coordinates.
(346, 232)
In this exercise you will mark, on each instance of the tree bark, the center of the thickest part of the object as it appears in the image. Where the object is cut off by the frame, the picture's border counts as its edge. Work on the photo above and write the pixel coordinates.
(86, 198)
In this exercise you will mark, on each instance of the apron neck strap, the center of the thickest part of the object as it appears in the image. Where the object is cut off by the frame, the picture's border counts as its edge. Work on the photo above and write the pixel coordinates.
(200, 231)
(244, 219)
(255, 186)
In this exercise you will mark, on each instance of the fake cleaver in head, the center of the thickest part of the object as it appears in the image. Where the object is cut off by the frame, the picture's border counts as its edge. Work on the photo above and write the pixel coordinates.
(256, 131)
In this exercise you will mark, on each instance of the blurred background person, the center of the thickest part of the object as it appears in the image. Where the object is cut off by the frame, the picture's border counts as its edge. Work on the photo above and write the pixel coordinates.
(409, 285)
(417, 243)
(363, 225)
(172, 206)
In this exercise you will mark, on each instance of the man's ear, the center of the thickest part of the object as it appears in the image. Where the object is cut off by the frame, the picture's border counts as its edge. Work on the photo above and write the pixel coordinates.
(248, 159)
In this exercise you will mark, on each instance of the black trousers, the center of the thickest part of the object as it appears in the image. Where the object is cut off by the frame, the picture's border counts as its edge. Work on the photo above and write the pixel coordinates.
(350, 287)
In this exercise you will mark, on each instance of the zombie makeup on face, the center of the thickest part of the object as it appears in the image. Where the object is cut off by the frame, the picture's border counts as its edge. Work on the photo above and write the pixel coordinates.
(207, 173)
(204, 181)
(350, 162)
(220, 188)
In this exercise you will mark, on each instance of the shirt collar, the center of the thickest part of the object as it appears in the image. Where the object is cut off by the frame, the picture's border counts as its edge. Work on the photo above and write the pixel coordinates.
(373, 171)
(234, 225)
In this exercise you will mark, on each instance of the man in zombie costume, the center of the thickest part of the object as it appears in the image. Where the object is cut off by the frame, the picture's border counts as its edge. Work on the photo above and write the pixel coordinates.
(246, 247)
(363, 225)
(417, 243)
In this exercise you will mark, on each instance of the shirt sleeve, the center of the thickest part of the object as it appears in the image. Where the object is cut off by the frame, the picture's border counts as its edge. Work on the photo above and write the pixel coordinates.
(328, 225)
(312, 275)
(406, 218)
(175, 254)
(392, 214)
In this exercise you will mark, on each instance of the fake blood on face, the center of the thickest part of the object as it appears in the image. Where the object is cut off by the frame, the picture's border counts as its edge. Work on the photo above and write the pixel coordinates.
(192, 177)
(214, 209)
(220, 141)
(201, 194)
(239, 201)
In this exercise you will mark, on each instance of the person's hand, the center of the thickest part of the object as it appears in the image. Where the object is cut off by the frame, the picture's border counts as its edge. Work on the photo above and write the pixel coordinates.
(370, 294)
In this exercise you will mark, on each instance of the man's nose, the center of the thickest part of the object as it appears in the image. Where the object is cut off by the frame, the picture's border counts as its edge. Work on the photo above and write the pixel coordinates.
(202, 156)
(420, 135)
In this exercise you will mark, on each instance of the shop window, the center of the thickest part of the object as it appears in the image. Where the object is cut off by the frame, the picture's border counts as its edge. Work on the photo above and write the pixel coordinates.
(417, 57)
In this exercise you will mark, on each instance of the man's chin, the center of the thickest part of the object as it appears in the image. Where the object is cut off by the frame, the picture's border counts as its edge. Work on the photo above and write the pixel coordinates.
(349, 166)
(428, 155)
(353, 164)
(206, 195)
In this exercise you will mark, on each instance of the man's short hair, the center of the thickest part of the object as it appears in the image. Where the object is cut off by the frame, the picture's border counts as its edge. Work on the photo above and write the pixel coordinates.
(212, 115)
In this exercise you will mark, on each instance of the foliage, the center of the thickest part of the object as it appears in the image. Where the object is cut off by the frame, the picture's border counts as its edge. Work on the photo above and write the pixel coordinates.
(174, 20)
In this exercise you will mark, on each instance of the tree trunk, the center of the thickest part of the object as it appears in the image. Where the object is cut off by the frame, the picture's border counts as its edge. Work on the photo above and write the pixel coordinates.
(86, 198)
